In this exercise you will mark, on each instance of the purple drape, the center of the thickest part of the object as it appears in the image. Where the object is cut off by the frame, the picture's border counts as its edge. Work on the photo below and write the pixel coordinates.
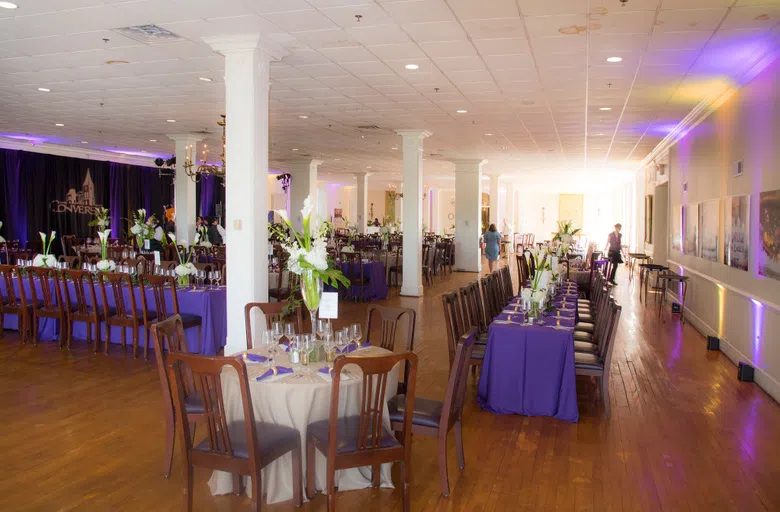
(15, 195)
(115, 186)
(208, 185)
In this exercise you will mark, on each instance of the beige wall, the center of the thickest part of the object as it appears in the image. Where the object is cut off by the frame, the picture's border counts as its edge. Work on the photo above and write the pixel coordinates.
(740, 307)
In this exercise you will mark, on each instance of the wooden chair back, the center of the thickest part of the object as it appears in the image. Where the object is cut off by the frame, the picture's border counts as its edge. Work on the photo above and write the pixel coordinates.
(72, 262)
(167, 265)
(506, 279)
(141, 265)
(273, 313)
(492, 306)
(84, 302)
(473, 309)
(121, 286)
(159, 285)
(389, 319)
(14, 297)
(606, 349)
(455, 395)
(168, 333)
(50, 292)
(531, 261)
(453, 320)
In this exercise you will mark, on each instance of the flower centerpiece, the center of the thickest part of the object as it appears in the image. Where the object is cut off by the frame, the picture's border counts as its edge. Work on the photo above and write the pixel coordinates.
(101, 220)
(309, 258)
(105, 264)
(535, 295)
(46, 259)
(565, 234)
(140, 228)
(202, 239)
(185, 268)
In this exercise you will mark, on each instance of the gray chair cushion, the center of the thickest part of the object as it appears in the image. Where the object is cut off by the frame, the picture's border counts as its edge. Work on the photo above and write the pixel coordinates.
(585, 346)
(583, 336)
(587, 361)
(427, 413)
(269, 437)
(586, 317)
(347, 434)
(584, 326)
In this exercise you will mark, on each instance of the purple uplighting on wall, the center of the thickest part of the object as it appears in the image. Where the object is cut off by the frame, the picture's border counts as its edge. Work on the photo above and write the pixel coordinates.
(758, 327)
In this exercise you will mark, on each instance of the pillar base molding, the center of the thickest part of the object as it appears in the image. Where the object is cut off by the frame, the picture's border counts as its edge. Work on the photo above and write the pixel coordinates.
(411, 291)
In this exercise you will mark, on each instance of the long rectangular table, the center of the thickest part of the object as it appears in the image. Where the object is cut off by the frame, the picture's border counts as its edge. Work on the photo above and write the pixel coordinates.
(529, 368)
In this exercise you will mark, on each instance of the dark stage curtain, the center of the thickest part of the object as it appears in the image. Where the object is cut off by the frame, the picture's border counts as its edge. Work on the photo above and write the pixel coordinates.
(209, 191)
(54, 193)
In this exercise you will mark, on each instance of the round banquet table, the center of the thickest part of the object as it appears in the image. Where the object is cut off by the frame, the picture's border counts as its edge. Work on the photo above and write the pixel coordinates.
(296, 400)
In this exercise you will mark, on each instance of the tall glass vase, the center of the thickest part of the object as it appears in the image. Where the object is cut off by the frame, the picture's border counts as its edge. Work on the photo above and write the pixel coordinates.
(311, 289)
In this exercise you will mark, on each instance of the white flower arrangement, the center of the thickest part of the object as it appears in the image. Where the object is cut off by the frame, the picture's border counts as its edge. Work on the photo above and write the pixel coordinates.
(105, 264)
(202, 239)
(46, 259)
(185, 267)
(102, 220)
(140, 228)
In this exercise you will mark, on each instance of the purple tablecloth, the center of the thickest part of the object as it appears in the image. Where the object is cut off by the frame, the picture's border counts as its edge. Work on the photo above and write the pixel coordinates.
(211, 305)
(374, 271)
(529, 369)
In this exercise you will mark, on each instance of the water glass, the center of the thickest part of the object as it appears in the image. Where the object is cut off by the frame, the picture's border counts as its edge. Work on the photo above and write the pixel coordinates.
(323, 327)
(330, 348)
(357, 333)
(277, 331)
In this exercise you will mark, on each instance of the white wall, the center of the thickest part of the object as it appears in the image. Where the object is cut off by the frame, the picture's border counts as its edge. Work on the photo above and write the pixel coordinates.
(740, 307)
(530, 213)
(377, 196)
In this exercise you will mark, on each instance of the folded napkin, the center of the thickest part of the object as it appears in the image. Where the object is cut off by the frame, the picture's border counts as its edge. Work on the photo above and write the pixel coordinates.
(518, 318)
(253, 358)
(327, 370)
(285, 345)
(275, 370)
(351, 348)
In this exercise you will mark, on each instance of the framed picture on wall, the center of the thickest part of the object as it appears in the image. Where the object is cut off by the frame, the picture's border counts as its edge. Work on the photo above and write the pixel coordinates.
(709, 230)
(677, 228)
(769, 233)
(691, 231)
(737, 232)
(649, 219)
(338, 213)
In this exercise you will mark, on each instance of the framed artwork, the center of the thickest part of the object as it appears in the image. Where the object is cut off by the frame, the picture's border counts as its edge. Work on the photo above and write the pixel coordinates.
(737, 232)
(709, 230)
(677, 228)
(649, 219)
(769, 233)
(691, 231)
(338, 213)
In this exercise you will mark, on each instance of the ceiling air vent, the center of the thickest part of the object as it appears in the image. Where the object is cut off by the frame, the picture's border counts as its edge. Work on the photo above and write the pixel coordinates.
(368, 127)
(148, 34)
(202, 132)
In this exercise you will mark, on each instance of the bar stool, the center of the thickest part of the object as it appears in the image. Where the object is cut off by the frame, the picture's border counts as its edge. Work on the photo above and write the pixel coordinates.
(670, 277)
(644, 277)
(633, 257)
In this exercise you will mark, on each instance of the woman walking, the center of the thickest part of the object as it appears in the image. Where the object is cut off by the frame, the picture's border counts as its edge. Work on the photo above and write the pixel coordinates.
(614, 246)
(492, 246)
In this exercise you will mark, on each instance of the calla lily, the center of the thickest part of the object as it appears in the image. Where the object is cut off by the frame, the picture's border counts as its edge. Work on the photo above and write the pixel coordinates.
(283, 215)
(43, 237)
(172, 237)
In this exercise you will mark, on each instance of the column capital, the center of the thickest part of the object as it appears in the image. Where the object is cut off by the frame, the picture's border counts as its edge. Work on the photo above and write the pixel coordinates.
(363, 174)
(228, 44)
(186, 138)
(468, 164)
(414, 134)
(304, 164)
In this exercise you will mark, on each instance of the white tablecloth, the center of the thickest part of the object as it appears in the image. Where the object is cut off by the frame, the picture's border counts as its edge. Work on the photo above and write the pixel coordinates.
(296, 402)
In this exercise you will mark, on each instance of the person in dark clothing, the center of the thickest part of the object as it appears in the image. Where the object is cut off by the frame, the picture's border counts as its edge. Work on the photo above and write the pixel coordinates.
(214, 235)
(614, 247)
(155, 244)
(376, 222)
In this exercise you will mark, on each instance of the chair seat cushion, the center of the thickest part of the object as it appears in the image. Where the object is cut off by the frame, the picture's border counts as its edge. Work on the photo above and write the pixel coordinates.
(586, 317)
(584, 326)
(587, 361)
(347, 434)
(193, 404)
(427, 413)
(270, 437)
(585, 346)
(582, 336)
(190, 319)
(482, 338)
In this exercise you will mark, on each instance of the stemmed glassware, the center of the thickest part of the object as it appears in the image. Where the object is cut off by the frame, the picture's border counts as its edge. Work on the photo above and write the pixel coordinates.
(342, 340)
(330, 348)
(357, 334)
(277, 331)
(323, 327)
(266, 339)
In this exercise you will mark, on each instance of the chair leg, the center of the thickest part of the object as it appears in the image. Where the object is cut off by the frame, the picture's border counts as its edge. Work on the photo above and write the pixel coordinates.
(406, 482)
(604, 385)
(238, 484)
(297, 475)
(311, 488)
(35, 328)
(331, 487)
(458, 427)
(68, 328)
(257, 491)
(188, 484)
(443, 478)
(146, 342)
(108, 339)
(170, 441)
(376, 475)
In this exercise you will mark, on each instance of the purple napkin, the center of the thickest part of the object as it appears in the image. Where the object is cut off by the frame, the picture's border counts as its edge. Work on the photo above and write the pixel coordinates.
(253, 358)
(511, 317)
(275, 370)
(286, 345)
(327, 370)
(351, 348)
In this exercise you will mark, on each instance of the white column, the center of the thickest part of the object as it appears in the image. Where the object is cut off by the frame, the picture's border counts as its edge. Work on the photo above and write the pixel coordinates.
(247, 59)
(494, 213)
(184, 200)
(468, 214)
(322, 200)
(412, 211)
(510, 214)
(302, 185)
(435, 221)
(362, 200)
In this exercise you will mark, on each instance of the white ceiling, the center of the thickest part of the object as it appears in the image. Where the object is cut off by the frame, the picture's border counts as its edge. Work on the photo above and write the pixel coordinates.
(531, 73)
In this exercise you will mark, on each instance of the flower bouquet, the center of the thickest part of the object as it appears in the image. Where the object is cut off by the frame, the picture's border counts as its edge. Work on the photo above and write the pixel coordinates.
(46, 259)
(185, 268)
(101, 220)
(140, 228)
(105, 264)
(565, 232)
(309, 258)
(202, 239)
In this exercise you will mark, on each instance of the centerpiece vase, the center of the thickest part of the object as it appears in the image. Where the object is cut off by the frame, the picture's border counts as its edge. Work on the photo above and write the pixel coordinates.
(184, 281)
(533, 313)
(311, 289)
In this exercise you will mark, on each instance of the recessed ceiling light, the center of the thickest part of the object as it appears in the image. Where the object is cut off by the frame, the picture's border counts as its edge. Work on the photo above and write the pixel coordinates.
(461, 111)
(170, 120)
(614, 59)
(295, 149)
(84, 142)
(368, 167)
(44, 89)
(110, 62)
(152, 140)
(605, 108)
(412, 66)
(59, 124)
(488, 134)
(394, 147)
(303, 117)
(204, 79)
(8, 5)
(336, 159)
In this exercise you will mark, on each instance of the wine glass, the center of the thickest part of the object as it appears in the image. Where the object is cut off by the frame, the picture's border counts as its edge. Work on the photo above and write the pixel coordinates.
(342, 339)
(330, 348)
(265, 339)
(277, 331)
(295, 350)
(215, 277)
(323, 326)
(304, 350)
(289, 331)
(357, 334)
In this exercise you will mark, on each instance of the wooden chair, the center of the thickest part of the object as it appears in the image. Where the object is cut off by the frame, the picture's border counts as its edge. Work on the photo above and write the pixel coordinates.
(428, 256)
(436, 418)
(141, 265)
(492, 308)
(14, 300)
(522, 271)
(170, 333)
(506, 281)
(362, 440)
(82, 306)
(358, 279)
(272, 312)
(125, 312)
(20, 254)
(47, 303)
(394, 271)
(453, 320)
(474, 311)
(67, 242)
(264, 443)
(390, 318)
(159, 286)
(117, 253)
(166, 265)
(72, 262)
(598, 365)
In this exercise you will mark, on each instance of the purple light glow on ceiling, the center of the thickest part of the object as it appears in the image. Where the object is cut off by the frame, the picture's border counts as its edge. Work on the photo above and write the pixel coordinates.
(133, 152)
(32, 139)
(732, 55)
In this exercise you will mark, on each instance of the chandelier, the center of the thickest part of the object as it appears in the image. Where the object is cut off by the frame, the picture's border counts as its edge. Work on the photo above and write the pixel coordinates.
(205, 168)
(393, 195)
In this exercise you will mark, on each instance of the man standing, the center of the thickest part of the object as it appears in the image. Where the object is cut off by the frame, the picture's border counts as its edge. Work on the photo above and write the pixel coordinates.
(614, 246)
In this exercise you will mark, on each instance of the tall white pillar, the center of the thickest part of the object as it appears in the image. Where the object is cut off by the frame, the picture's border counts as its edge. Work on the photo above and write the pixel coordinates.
(435, 221)
(184, 200)
(362, 200)
(412, 211)
(468, 214)
(510, 214)
(302, 185)
(494, 213)
(247, 62)
(322, 201)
